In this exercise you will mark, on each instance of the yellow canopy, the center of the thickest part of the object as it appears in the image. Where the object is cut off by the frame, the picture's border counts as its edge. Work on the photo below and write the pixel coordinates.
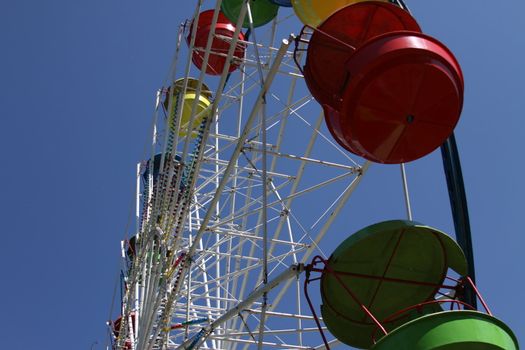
(314, 12)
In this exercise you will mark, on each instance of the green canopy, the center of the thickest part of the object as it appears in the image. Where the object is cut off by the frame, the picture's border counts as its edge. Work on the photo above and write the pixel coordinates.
(263, 11)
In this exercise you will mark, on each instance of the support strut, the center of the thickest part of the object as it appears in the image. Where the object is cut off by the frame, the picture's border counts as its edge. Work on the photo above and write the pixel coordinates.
(458, 204)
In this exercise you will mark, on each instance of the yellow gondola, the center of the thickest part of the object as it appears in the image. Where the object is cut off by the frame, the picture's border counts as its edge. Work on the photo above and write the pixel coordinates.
(314, 12)
(201, 110)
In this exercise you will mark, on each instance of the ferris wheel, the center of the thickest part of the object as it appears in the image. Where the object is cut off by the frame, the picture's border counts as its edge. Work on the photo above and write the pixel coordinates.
(258, 142)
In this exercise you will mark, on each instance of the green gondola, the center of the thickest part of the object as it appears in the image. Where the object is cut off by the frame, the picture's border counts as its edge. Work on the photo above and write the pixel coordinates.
(388, 276)
(388, 267)
(263, 11)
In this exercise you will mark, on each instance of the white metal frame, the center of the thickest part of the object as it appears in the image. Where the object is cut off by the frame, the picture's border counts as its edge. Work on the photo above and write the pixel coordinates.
(221, 227)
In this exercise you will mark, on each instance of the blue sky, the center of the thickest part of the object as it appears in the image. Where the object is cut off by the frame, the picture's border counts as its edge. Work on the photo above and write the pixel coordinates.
(78, 81)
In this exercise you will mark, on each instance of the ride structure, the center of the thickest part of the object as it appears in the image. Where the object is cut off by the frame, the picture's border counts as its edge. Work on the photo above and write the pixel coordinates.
(240, 192)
